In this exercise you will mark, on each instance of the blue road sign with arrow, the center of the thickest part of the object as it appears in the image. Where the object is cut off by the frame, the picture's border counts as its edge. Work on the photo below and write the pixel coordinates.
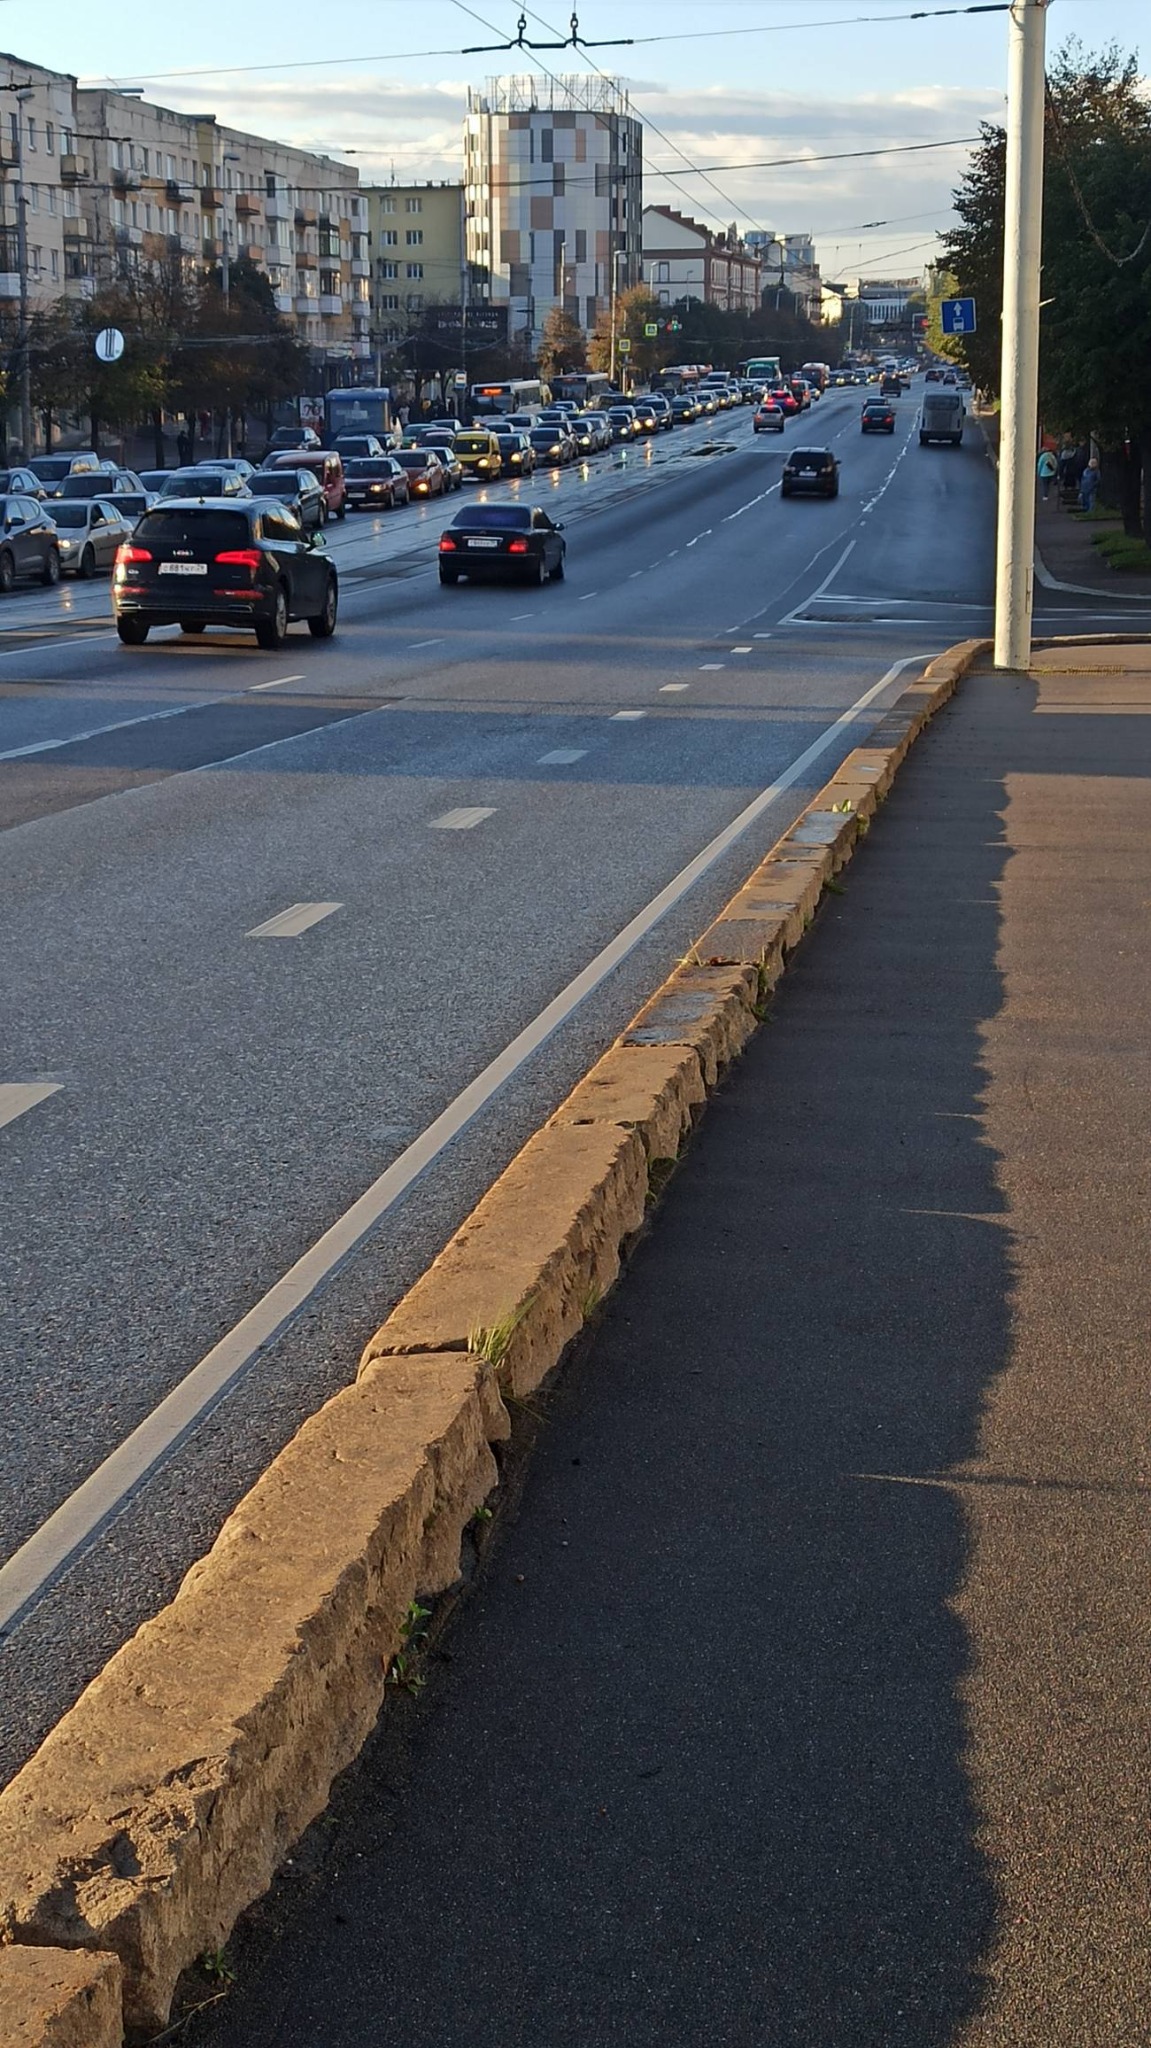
(957, 316)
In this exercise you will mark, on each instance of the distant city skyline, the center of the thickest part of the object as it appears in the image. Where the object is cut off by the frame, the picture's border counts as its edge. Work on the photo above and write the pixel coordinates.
(386, 88)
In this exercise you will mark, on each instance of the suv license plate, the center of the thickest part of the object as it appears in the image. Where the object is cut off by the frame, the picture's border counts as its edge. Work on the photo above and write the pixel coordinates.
(183, 568)
(483, 543)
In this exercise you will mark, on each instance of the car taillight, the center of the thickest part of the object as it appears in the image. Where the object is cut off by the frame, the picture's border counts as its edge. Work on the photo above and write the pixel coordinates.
(517, 547)
(447, 544)
(127, 553)
(241, 558)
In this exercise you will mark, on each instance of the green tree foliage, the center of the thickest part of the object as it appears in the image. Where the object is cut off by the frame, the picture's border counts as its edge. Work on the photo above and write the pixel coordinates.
(1096, 331)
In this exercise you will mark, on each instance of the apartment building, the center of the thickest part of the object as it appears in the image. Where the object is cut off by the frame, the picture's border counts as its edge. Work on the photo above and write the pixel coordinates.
(37, 154)
(417, 252)
(789, 265)
(553, 202)
(682, 259)
(885, 300)
(112, 182)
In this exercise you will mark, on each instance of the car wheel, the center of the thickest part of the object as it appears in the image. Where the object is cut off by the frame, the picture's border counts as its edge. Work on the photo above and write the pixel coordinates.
(558, 571)
(541, 574)
(50, 573)
(324, 624)
(834, 491)
(271, 633)
(86, 568)
(191, 625)
(7, 574)
(133, 632)
(449, 575)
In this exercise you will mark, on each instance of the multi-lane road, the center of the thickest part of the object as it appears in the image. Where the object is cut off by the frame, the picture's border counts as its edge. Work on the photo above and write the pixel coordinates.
(299, 948)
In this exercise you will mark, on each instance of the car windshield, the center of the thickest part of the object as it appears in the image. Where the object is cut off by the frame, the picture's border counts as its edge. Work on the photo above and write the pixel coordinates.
(472, 444)
(811, 458)
(410, 458)
(194, 529)
(88, 486)
(71, 514)
(499, 517)
(50, 468)
(368, 465)
(196, 483)
(269, 484)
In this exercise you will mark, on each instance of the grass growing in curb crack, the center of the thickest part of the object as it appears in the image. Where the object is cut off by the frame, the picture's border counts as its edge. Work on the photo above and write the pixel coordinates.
(659, 1172)
(493, 1342)
(217, 1967)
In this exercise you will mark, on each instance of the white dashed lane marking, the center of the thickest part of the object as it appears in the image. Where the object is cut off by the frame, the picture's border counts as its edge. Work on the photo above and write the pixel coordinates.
(670, 689)
(562, 757)
(290, 923)
(276, 683)
(18, 1096)
(706, 665)
(463, 819)
(616, 715)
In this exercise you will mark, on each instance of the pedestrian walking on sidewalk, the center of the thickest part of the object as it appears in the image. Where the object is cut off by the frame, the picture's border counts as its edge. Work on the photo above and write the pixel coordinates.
(1089, 485)
(1047, 469)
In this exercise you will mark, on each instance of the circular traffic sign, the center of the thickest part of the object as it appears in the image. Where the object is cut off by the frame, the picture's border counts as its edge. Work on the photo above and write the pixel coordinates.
(109, 344)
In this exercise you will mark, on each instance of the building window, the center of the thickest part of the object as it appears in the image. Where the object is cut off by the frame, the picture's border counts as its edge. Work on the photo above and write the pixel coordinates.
(33, 198)
(415, 269)
(414, 237)
(388, 269)
(581, 245)
(390, 302)
(66, 142)
(387, 205)
(415, 302)
(389, 237)
(414, 206)
(50, 138)
(30, 131)
(662, 273)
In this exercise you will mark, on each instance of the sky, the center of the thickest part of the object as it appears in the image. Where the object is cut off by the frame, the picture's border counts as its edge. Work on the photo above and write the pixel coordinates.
(724, 82)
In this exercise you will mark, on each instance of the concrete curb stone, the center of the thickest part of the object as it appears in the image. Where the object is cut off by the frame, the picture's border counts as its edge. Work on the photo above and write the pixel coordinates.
(161, 1804)
(59, 1998)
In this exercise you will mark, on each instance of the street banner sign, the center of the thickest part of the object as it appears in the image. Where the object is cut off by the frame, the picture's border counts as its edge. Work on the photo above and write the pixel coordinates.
(109, 344)
(957, 316)
(651, 329)
(624, 346)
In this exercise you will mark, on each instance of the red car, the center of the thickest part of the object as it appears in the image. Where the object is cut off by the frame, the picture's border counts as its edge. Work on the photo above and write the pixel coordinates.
(427, 477)
(785, 398)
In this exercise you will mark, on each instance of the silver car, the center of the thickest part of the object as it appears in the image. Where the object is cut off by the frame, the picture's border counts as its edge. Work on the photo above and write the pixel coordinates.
(91, 530)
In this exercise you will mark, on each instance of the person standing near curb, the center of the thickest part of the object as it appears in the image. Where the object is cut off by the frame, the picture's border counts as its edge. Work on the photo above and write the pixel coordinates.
(1046, 469)
(1089, 485)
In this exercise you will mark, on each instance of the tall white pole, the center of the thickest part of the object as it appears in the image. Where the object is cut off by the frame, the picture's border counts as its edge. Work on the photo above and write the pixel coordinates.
(1019, 382)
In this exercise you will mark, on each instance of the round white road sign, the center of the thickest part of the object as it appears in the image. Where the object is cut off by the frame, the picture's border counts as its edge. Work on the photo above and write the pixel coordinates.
(109, 344)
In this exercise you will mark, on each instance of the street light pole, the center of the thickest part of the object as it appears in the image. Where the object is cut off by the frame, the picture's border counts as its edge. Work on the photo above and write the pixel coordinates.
(617, 257)
(24, 380)
(1019, 382)
(226, 276)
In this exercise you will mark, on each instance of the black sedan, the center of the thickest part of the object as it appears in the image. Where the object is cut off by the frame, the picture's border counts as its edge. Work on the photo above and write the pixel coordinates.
(299, 489)
(877, 417)
(552, 445)
(29, 542)
(810, 469)
(511, 542)
(223, 562)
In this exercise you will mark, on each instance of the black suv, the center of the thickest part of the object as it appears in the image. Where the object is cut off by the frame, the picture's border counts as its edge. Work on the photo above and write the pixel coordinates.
(223, 562)
(810, 469)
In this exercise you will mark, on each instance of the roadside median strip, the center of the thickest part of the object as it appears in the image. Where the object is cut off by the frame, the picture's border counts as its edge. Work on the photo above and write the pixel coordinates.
(161, 1804)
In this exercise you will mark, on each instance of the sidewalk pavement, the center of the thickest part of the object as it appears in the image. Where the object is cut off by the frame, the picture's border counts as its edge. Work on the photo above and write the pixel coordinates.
(1065, 542)
(803, 1702)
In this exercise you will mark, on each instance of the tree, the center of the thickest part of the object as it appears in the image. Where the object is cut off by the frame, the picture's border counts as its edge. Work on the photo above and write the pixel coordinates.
(1096, 330)
(562, 346)
(635, 309)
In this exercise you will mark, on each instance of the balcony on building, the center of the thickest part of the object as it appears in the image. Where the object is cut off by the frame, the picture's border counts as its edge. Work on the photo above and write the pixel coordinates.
(248, 205)
(129, 238)
(306, 261)
(211, 198)
(124, 181)
(361, 267)
(304, 305)
(77, 229)
(305, 216)
(331, 305)
(278, 206)
(73, 169)
(9, 284)
(285, 302)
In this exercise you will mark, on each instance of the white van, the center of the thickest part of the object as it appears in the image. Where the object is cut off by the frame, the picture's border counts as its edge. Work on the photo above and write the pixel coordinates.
(941, 418)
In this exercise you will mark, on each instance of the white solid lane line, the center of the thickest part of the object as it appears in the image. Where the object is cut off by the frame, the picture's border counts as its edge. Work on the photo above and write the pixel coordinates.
(279, 680)
(462, 820)
(106, 1491)
(629, 715)
(561, 757)
(18, 1096)
(288, 924)
(830, 577)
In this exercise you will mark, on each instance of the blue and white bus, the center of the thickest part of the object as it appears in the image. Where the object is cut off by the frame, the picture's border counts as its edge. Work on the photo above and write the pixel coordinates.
(352, 410)
(589, 388)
